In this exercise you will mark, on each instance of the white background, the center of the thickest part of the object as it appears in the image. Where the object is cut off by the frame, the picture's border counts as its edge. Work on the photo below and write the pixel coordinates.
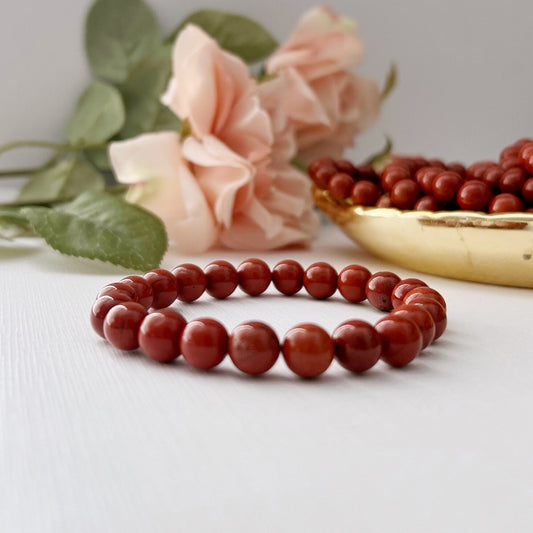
(94, 440)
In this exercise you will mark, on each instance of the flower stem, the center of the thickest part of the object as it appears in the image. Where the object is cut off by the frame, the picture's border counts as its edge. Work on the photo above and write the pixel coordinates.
(58, 147)
(11, 172)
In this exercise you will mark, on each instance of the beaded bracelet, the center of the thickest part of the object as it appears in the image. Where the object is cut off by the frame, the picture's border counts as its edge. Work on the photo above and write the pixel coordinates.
(417, 317)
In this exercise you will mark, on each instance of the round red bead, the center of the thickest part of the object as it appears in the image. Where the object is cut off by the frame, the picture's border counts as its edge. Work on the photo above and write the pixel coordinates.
(321, 171)
(384, 201)
(425, 291)
(288, 277)
(474, 195)
(340, 186)
(401, 340)
(352, 281)
(253, 347)
(308, 350)
(513, 180)
(476, 170)
(254, 276)
(204, 343)
(393, 173)
(526, 156)
(364, 193)
(164, 286)
(434, 308)
(404, 194)
(320, 280)
(357, 345)
(446, 185)
(492, 177)
(428, 203)
(506, 203)
(422, 318)
(191, 282)
(142, 290)
(99, 311)
(425, 177)
(222, 279)
(527, 190)
(159, 335)
(402, 288)
(379, 289)
(118, 291)
(122, 323)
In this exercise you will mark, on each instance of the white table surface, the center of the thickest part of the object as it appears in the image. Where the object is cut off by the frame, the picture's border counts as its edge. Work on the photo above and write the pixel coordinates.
(95, 440)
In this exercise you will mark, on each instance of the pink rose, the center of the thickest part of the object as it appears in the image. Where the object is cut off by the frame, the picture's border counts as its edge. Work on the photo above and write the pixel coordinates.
(214, 91)
(326, 103)
(161, 181)
(231, 180)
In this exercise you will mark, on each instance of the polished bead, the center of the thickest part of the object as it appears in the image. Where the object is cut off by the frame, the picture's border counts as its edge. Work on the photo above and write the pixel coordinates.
(122, 323)
(379, 289)
(526, 156)
(160, 333)
(164, 286)
(384, 200)
(527, 191)
(402, 288)
(509, 163)
(436, 163)
(492, 177)
(393, 173)
(142, 290)
(513, 180)
(357, 345)
(434, 308)
(254, 276)
(204, 343)
(343, 165)
(425, 176)
(191, 282)
(446, 185)
(340, 185)
(401, 340)
(476, 170)
(320, 280)
(99, 310)
(428, 203)
(321, 171)
(308, 350)
(288, 277)
(404, 194)
(118, 291)
(506, 203)
(222, 279)
(426, 291)
(364, 193)
(352, 281)
(422, 318)
(474, 195)
(253, 347)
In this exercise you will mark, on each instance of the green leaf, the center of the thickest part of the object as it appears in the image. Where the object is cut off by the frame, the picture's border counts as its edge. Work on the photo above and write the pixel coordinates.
(99, 114)
(66, 179)
(99, 157)
(390, 81)
(378, 157)
(12, 223)
(142, 91)
(235, 33)
(101, 226)
(118, 34)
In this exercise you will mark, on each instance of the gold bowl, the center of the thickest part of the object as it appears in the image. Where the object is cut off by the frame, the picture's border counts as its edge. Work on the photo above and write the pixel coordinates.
(464, 245)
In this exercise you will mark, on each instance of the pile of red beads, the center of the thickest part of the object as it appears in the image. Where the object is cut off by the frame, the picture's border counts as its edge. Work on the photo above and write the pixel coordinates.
(431, 185)
(417, 317)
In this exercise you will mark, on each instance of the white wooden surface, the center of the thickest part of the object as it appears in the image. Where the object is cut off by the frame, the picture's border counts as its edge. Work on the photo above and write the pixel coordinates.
(97, 440)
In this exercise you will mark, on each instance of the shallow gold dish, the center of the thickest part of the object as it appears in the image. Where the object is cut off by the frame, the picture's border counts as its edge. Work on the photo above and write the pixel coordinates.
(456, 244)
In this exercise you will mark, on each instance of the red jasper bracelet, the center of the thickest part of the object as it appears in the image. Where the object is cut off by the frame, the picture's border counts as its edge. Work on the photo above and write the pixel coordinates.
(417, 317)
